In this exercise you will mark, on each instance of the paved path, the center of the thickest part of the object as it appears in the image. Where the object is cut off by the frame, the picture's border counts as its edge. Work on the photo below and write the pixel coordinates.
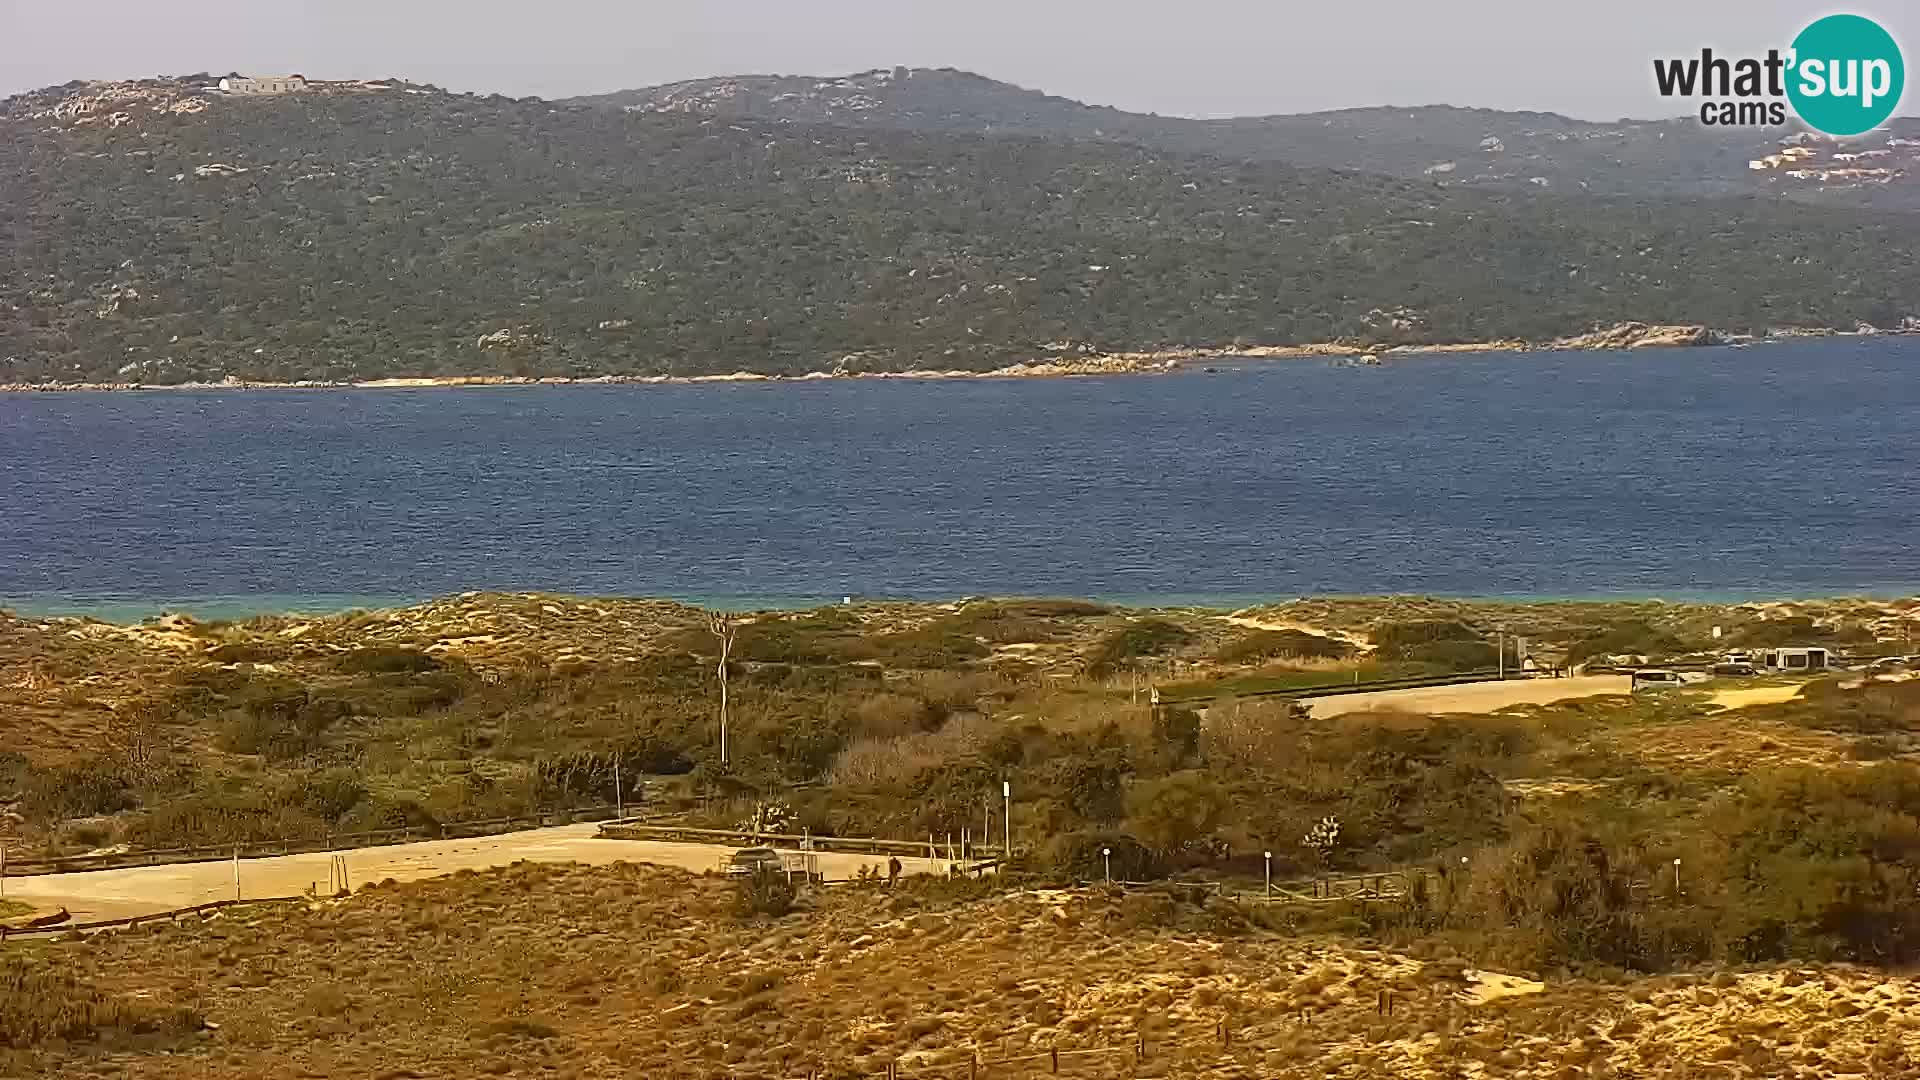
(143, 890)
(1474, 697)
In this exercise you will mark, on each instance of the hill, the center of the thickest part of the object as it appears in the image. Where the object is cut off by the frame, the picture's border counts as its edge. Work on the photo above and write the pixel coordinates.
(162, 232)
(1455, 146)
(623, 971)
(1541, 842)
(483, 705)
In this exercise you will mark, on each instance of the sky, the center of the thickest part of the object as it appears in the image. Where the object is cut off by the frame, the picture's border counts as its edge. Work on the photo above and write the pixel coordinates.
(1585, 58)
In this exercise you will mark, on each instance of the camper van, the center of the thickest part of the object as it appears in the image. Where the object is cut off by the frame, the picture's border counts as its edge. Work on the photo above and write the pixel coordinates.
(1794, 658)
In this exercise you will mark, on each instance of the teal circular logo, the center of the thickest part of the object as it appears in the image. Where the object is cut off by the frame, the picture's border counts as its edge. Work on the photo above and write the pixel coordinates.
(1847, 75)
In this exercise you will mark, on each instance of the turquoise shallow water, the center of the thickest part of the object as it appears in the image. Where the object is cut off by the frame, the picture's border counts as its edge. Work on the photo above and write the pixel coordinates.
(1683, 474)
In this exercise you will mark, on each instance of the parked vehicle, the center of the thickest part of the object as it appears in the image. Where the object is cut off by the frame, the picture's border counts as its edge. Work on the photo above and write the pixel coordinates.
(1734, 667)
(1656, 679)
(1796, 658)
(748, 861)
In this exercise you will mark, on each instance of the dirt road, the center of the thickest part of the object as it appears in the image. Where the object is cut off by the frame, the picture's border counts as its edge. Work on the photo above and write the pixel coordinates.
(1474, 697)
(143, 890)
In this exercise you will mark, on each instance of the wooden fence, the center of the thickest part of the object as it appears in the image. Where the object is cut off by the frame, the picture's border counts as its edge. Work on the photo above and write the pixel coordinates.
(1224, 689)
(1391, 885)
(202, 910)
(938, 848)
(266, 849)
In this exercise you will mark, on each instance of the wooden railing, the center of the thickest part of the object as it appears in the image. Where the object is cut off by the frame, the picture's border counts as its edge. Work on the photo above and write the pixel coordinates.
(266, 849)
(1188, 696)
(1386, 885)
(860, 845)
(202, 910)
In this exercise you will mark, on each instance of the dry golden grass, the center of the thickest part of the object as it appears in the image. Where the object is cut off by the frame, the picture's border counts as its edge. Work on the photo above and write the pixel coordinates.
(631, 971)
(1735, 742)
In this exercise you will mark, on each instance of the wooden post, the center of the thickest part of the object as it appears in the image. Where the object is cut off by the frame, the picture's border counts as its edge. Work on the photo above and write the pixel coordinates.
(1140, 1049)
(1054, 1052)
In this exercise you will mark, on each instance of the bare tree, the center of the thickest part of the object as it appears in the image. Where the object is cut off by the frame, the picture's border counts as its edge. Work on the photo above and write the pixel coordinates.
(725, 629)
(135, 736)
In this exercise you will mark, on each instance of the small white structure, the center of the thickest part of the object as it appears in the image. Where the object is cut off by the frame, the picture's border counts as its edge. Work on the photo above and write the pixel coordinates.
(1794, 658)
(264, 84)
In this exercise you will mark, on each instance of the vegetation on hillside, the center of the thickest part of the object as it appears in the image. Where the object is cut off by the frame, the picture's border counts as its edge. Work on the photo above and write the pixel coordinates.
(413, 232)
(1477, 147)
(623, 970)
(1617, 839)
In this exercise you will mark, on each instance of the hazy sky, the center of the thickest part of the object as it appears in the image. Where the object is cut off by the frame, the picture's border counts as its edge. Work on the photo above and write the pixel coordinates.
(1188, 57)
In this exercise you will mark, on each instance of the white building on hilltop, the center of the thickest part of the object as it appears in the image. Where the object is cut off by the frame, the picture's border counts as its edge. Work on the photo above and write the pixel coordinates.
(264, 84)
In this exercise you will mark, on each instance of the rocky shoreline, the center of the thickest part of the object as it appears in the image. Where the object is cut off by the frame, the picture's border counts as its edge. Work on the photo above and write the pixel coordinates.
(1632, 335)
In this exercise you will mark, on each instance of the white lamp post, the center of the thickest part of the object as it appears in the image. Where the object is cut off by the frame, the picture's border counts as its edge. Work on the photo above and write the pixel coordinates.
(1106, 856)
(1269, 857)
(1006, 820)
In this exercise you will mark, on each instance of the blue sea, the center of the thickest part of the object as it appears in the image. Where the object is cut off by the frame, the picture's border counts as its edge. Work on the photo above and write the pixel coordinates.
(1776, 470)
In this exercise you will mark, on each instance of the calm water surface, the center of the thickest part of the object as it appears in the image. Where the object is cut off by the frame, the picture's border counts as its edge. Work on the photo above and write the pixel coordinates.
(1776, 470)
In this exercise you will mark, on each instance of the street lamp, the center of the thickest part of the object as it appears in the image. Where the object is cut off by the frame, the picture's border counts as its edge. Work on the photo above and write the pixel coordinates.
(1006, 821)
(1106, 856)
(1676, 877)
(1269, 858)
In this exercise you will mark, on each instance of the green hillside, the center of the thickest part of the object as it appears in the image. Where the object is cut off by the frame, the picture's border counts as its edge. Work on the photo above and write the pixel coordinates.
(161, 234)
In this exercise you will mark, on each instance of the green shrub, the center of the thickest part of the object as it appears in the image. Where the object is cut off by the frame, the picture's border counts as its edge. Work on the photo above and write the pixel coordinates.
(1797, 630)
(1436, 641)
(14, 768)
(388, 660)
(1077, 856)
(929, 647)
(1873, 709)
(1873, 748)
(82, 788)
(1630, 638)
(246, 652)
(1393, 639)
(1277, 644)
(329, 795)
(1458, 655)
(1172, 813)
(1091, 784)
(1558, 891)
(829, 636)
(1147, 637)
(1053, 609)
(1143, 910)
(1821, 864)
(222, 815)
(1176, 733)
(38, 1006)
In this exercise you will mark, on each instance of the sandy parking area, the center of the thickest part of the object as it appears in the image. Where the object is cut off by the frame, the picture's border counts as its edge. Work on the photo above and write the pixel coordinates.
(1754, 695)
(1474, 697)
(142, 890)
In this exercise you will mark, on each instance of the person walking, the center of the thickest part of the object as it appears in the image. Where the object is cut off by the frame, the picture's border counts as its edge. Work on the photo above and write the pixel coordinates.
(893, 870)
